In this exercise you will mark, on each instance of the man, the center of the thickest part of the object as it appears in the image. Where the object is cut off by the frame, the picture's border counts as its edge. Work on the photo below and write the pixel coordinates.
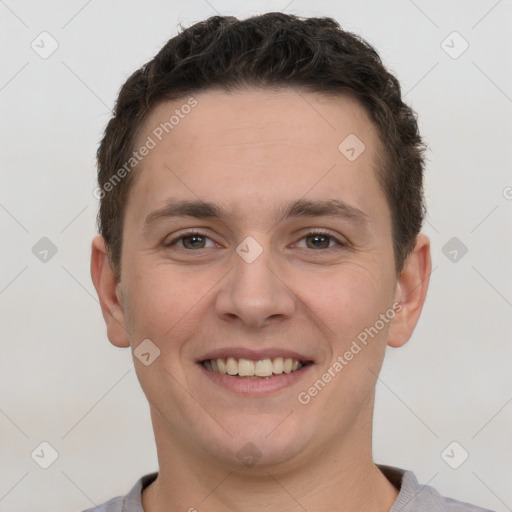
(261, 205)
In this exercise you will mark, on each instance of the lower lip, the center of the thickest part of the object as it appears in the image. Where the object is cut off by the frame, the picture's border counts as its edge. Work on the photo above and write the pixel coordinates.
(256, 387)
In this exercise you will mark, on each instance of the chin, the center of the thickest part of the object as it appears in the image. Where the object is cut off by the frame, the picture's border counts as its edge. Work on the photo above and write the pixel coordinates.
(263, 445)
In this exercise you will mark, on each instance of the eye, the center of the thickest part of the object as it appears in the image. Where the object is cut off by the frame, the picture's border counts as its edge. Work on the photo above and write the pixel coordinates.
(321, 240)
(190, 240)
(197, 239)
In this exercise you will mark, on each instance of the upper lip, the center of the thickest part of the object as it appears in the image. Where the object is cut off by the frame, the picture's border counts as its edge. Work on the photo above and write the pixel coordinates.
(254, 355)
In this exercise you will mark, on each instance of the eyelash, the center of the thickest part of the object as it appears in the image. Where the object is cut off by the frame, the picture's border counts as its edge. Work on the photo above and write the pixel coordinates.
(203, 234)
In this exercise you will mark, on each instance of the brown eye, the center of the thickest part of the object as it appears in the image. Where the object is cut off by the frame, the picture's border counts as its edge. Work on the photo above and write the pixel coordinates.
(320, 240)
(191, 240)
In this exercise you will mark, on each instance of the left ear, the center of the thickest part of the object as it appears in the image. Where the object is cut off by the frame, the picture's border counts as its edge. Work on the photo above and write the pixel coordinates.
(411, 291)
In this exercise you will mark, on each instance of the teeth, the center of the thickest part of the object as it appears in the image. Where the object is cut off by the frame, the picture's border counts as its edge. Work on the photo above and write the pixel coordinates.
(248, 368)
(231, 366)
(263, 368)
(222, 366)
(277, 365)
(245, 368)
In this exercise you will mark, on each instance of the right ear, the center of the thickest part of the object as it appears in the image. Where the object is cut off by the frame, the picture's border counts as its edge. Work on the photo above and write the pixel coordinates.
(109, 292)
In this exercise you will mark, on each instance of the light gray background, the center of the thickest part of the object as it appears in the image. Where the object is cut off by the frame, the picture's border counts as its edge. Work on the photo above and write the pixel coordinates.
(60, 379)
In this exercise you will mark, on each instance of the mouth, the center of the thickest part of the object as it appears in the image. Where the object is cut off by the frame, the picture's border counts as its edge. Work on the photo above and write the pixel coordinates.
(249, 369)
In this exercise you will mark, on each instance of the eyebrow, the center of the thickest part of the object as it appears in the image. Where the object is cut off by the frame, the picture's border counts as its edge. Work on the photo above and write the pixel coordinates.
(299, 208)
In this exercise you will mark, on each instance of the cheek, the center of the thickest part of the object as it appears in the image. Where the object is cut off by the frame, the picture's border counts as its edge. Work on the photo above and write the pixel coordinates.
(164, 304)
(346, 300)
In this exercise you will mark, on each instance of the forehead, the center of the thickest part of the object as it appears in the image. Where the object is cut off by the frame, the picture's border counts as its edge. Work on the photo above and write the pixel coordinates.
(255, 146)
(257, 115)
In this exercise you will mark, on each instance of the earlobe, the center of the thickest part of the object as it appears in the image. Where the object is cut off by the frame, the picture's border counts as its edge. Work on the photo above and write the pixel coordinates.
(411, 291)
(109, 293)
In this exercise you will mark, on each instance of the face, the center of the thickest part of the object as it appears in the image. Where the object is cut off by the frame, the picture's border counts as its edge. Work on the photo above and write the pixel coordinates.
(253, 244)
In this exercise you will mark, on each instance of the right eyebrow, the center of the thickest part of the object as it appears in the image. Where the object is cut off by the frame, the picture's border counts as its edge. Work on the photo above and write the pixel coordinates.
(184, 208)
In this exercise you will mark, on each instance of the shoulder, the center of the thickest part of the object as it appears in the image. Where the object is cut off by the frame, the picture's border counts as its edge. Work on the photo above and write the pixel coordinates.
(414, 497)
(132, 502)
(112, 505)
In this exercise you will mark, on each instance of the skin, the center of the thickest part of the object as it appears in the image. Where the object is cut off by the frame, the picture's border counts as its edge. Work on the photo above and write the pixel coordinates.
(250, 152)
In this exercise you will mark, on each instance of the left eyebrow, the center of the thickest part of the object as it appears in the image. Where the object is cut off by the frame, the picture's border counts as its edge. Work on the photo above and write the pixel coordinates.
(299, 208)
(326, 208)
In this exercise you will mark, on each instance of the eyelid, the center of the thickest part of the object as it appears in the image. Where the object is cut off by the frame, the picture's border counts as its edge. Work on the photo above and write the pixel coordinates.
(340, 241)
(184, 234)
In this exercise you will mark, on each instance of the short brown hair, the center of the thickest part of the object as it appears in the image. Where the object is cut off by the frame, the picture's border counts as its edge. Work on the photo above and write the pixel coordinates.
(270, 50)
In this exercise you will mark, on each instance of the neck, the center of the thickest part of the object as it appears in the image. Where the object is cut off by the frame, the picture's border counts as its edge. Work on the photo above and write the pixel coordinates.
(342, 478)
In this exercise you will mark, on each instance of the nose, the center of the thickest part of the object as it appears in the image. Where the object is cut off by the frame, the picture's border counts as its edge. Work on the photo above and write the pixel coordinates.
(255, 293)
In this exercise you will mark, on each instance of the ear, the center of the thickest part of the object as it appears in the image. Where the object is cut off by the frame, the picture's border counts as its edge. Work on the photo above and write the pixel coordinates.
(109, 292)
(411, 291)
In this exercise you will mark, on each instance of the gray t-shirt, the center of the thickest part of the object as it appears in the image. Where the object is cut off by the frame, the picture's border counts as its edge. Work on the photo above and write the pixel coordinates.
(412, 497)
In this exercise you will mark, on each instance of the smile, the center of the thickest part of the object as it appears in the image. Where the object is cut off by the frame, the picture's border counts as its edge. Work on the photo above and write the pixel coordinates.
(249, 369)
